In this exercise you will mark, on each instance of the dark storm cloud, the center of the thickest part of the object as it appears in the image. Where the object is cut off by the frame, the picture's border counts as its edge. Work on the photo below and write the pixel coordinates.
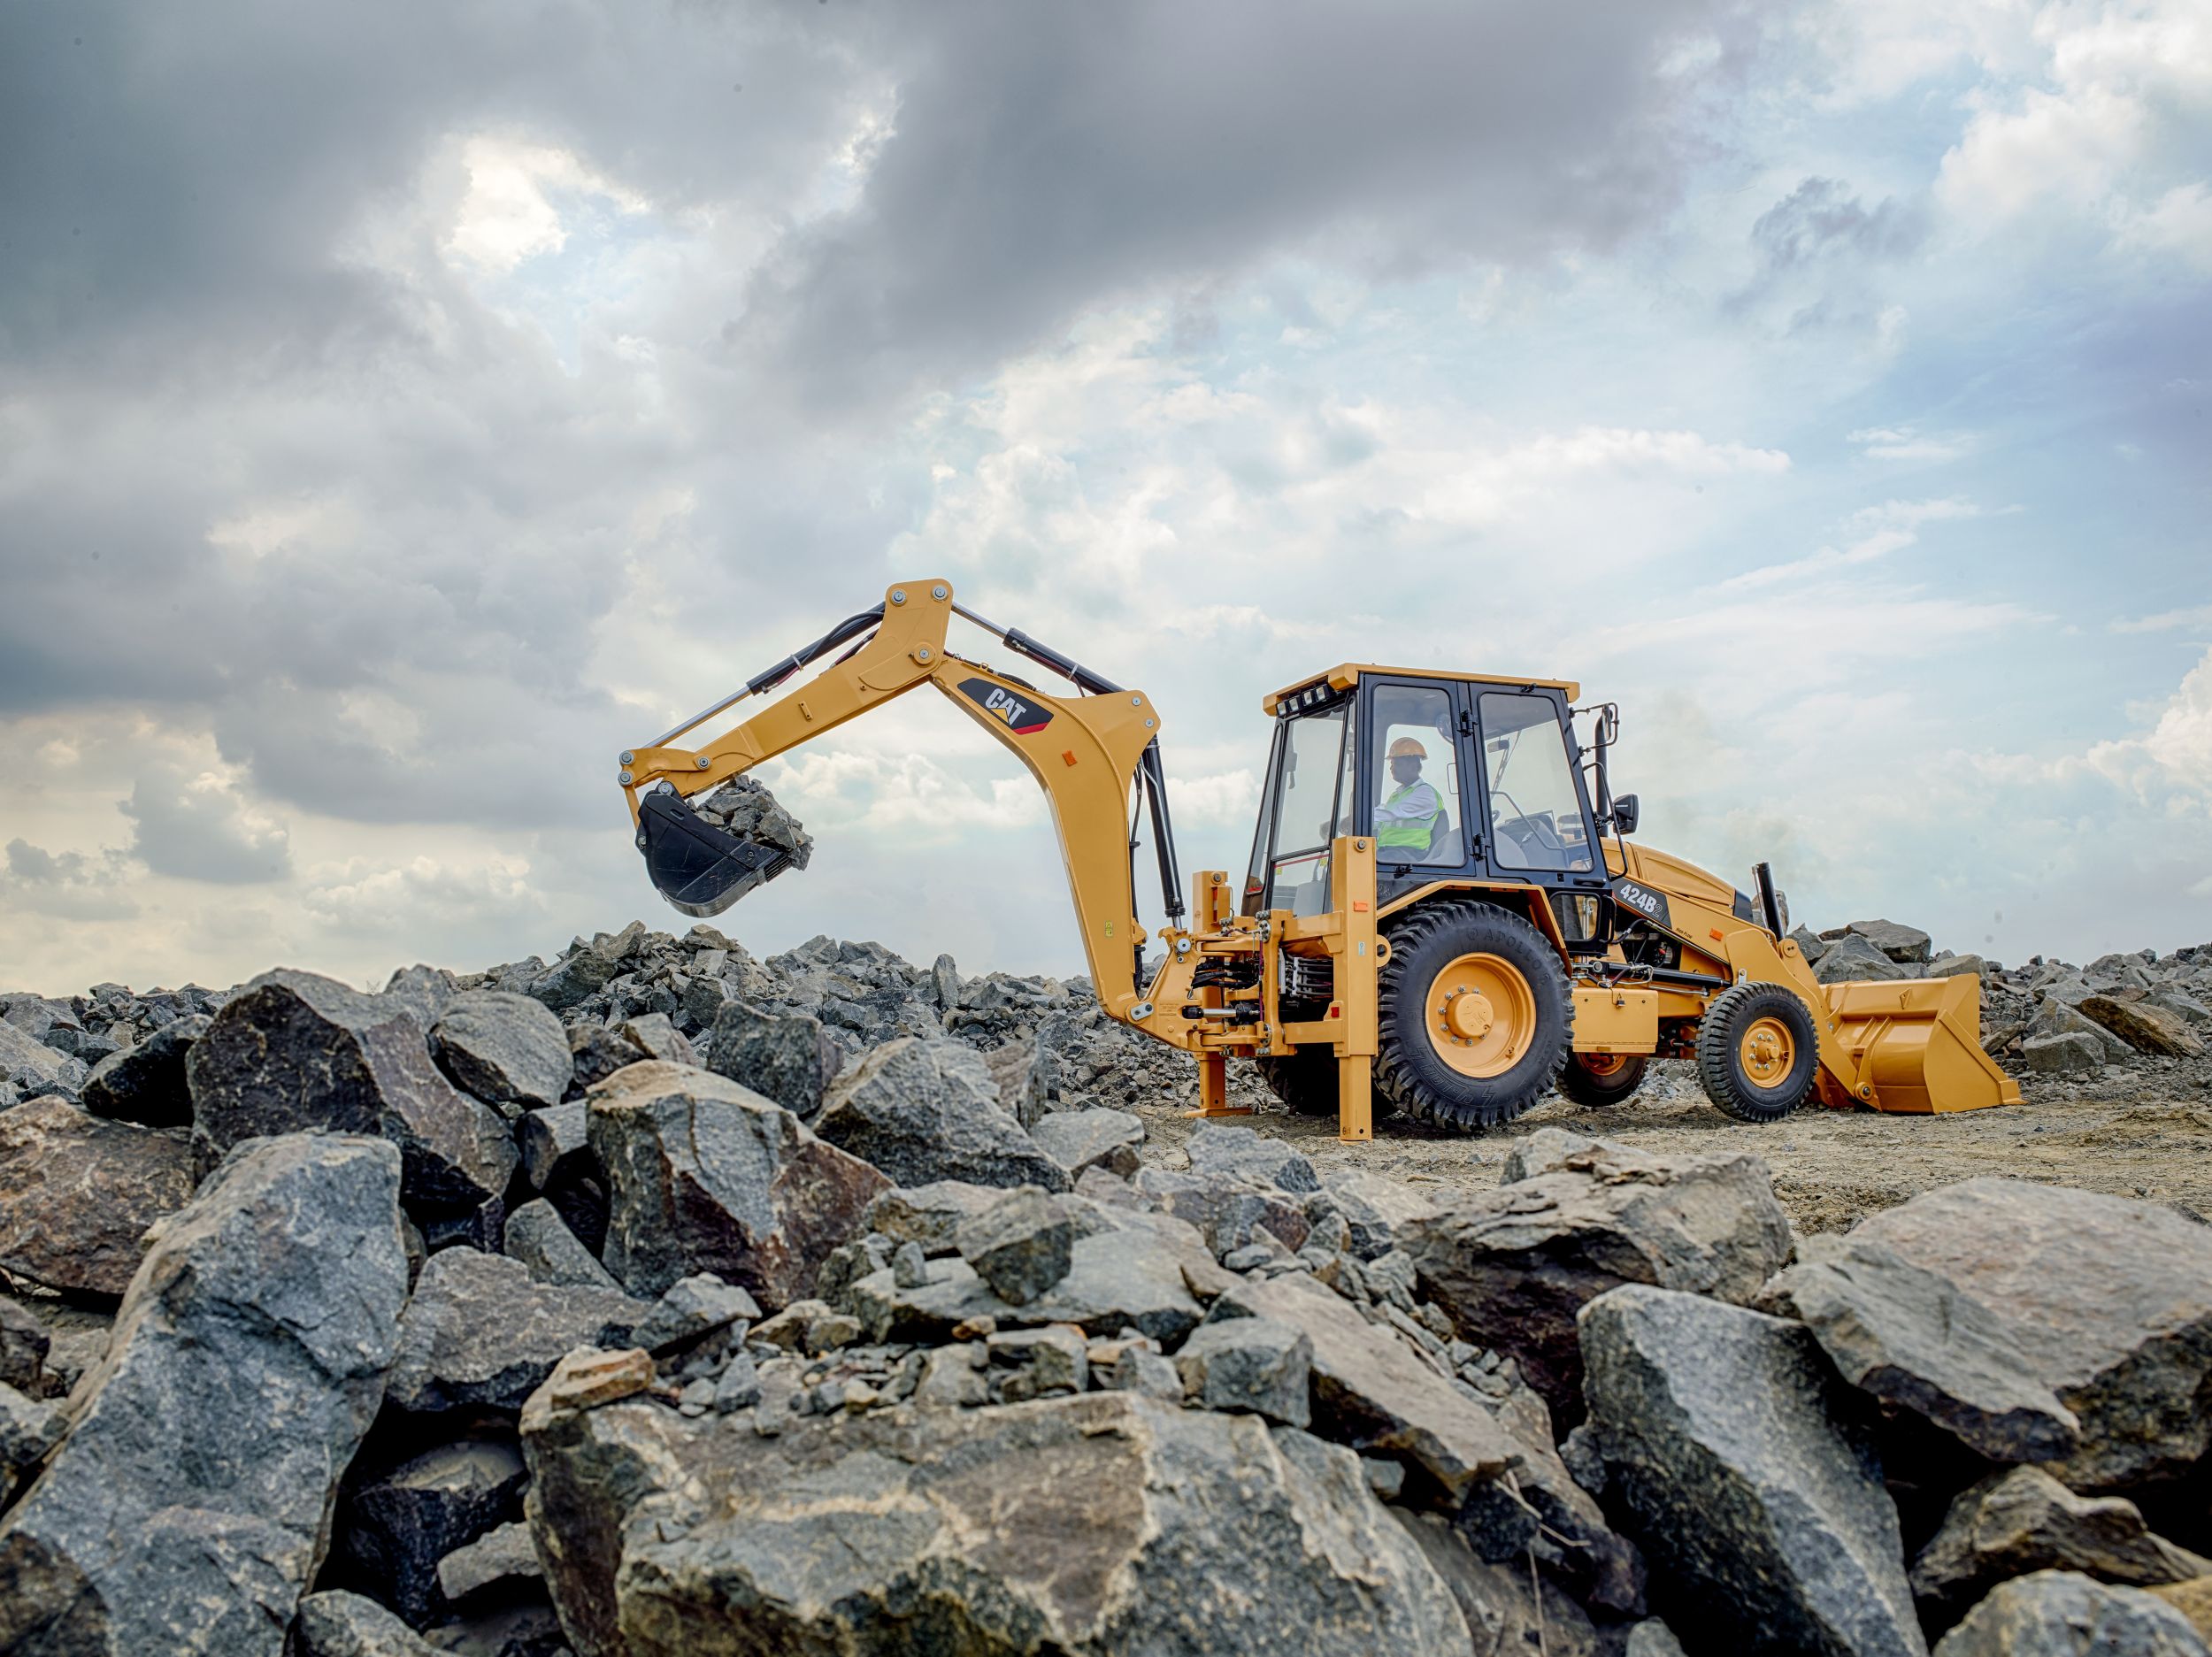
(1046, 156)
(201, 831)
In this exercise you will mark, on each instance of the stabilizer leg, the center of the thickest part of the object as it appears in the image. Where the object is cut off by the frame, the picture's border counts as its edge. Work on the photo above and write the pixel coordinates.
(1355, 1098)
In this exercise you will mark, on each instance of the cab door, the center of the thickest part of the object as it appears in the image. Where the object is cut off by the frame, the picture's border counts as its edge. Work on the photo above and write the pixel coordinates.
(1535, 813)
(1413, 786)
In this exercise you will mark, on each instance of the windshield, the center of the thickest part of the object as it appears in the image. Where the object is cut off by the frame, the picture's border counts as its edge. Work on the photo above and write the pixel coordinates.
(1535, 811)
(1312, 776)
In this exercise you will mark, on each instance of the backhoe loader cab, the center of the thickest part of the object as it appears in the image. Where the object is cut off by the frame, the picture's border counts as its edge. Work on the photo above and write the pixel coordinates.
(1441, 904)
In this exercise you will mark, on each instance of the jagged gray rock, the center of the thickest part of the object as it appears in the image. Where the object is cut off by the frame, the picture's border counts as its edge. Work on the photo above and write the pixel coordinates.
(78, 1192)
(1230, 1213)
(400, 1523)
(929, 1216)
(556, 1145)
(2111, 1300)
(928, 1110)
(2023, 1519)
(293, 1052)
(2060, 1614)
(1021, 1245)
(549, 1251)
(503, 1561)
(146, 1084)
(706, 1175)
(1753, 1484)
(1240, 1153)
(480, 1333)
(340, 1624)
(1255, 1363)
(1091, 1138)
(789, 1058)
(505, 1049)
(271, 1301)
(1505, 1612)
(1905, 945)
(1912, 1339)
(1511, 1266)
(1091, 1524)
(1374, 1208)
(29, 1428)
(24, 1344)
(1851, 958)
(698, 1314)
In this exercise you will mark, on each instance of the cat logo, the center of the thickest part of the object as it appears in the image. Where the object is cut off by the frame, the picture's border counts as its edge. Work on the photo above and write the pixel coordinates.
(1642, 900)
(1023, 718)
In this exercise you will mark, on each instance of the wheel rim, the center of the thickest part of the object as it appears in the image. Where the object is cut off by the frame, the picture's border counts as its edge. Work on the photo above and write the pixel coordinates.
(1603, 1064)
(1481, 1015)
(1767, 1051)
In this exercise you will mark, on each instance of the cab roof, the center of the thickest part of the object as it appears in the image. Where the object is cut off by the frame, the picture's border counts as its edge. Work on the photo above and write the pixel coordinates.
(1344, 675)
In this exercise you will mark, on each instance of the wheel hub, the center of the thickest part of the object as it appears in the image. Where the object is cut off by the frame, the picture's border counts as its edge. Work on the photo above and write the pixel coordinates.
(1768, 1051)
(1481, 1015)
(1468, 1014)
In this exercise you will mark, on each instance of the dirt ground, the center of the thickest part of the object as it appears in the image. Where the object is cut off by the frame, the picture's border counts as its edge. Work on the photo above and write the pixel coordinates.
(2141, 1131)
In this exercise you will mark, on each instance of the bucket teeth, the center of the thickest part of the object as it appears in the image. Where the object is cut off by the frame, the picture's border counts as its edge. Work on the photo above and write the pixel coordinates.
(701, 869)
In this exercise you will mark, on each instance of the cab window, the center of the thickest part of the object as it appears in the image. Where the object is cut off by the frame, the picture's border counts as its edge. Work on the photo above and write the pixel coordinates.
(1535, 810)
(1307, 779)
(1416, 778)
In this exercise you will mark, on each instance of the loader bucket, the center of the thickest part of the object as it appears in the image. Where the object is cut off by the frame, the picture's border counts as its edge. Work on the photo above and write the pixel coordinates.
(1917, 1046)
(698, 867)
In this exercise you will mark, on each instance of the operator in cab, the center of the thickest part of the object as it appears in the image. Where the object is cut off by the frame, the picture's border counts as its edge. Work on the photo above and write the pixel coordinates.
(1407, 819)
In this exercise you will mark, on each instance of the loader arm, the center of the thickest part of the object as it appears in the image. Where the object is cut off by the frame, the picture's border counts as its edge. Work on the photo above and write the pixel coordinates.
(1086, 751)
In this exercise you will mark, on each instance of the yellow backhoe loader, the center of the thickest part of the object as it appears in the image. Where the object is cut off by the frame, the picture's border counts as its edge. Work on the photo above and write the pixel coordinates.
(1442, 906)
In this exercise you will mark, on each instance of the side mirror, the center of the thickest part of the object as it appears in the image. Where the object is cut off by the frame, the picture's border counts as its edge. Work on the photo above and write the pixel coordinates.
(1624, 813)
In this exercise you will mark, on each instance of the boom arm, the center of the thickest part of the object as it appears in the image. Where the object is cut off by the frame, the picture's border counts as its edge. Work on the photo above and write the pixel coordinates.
(1084, 750)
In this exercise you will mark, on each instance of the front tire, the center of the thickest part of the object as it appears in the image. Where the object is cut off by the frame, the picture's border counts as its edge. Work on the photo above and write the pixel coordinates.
(1757, 1052)
(1594, 1080)
(1304, 1079)
(1475, 1016)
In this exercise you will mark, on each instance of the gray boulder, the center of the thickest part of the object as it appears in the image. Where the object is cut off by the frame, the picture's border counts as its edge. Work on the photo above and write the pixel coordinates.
(294, 1052)
(1254, 1363)
(340, 1624)
(556, 1145)
(1906, 945)
(1910, 1338)
(2013, 1522)
(1091, 1138)
(1374, 1208)
(1511, 1266)
(789, 1058)
(549, 1251)
(400, 1523)
(189, 1507)
(1852, 959)
(2056, 1017)
(574, 978)
(1134, 1277)
(503, 1049)
(480, 1334)
(1240, 1153)
(34, 1068)
(2060, 1614)
(2110, 1299)
(1022, 1364)
(29, 1429)
(24, 1344)
(928, 1110)
(1753, 1484)
(706, 1175)
(2144, 1026)
(1230, 1213)
(929, 1216)
(1507, 1608)
(698, 1314)
(1021, 1245)
(146, 1084)
(1092, 1524)
(2074, 1054)
(78, 1192)
(500, 1564)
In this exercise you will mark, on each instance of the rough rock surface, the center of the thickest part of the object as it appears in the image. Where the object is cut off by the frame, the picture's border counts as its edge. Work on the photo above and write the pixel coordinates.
(1851, 958)
(480, 1333)
(1504, 1610)
(293, 1052)
(1374, 1207)
(502, 1561)
(2060, 1614)
(1088, 1525)
(1755, 1494)
(1093, 1138)
(271, 1300)
(77, 1193)
(504, 1049)
(706, 1175)
(146, 1084)
(1910, 1338)
(1253, 1364)
(928, 1110)
(788, 1057)
(2022, 1521)
(1021, 1245)
(549, 1251)
(399, 1524)
(340, 1624)
(1240, 1153)
(2145, 1026)
(2110, 1299)
(1513, 1266)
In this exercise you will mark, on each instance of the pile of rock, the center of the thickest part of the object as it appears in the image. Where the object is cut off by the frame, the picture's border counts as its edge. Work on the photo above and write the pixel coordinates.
(2047, 1019)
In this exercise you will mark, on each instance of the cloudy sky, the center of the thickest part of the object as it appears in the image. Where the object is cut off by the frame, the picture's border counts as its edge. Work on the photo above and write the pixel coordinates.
(403, 407)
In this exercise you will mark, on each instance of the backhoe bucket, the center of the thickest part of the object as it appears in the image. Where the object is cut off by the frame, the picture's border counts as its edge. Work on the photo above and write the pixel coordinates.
(1917, 1045)
(698, 867)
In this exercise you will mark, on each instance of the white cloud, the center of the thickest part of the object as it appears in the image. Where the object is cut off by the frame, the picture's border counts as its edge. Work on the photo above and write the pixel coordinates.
(2175, 756)
(1878, 532)
(1903, 443)
(510, 210)
(2179, 223)
(2166, 621)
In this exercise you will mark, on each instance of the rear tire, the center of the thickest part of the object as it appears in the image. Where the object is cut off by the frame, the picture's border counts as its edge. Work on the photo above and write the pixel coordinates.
(1757, 1052)
(1594, 1080)
(1304, 1079)
(1475, 1016)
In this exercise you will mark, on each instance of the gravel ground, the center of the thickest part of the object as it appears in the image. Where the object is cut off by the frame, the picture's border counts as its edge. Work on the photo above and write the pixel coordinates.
(2141, 1131)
